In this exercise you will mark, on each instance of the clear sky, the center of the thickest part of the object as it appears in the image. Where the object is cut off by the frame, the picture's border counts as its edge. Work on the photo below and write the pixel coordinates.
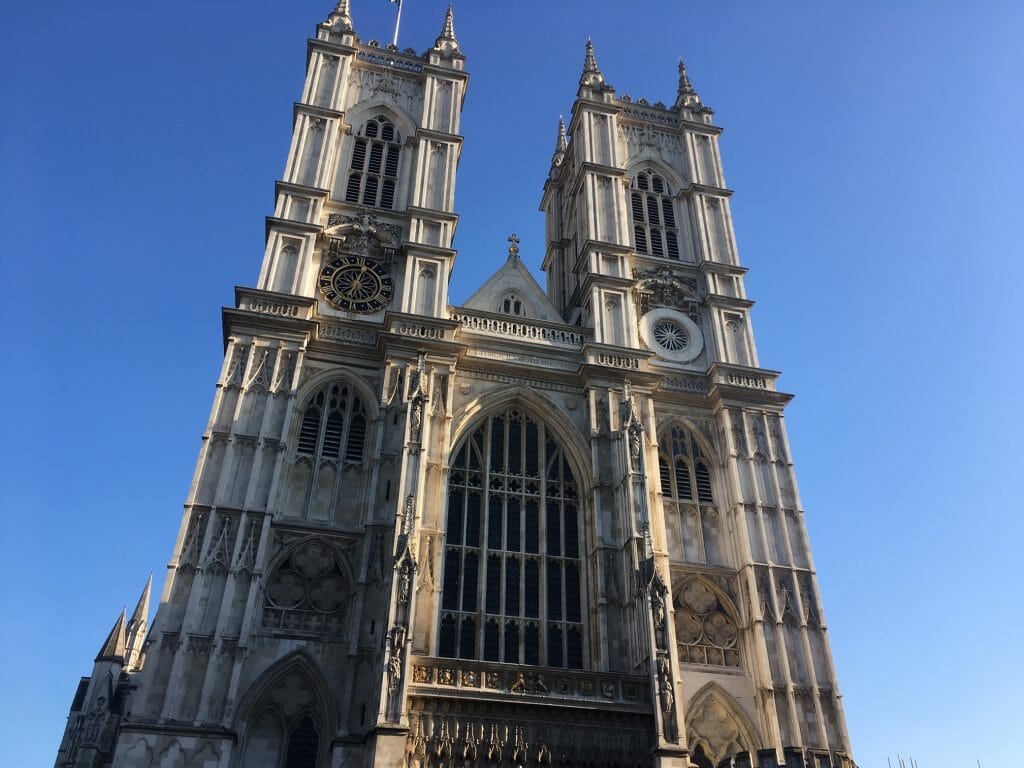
(875, 150)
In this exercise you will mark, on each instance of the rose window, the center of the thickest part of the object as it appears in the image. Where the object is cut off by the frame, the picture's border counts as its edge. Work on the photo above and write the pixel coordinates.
(705, 631)
(670, 335)
(307, 592)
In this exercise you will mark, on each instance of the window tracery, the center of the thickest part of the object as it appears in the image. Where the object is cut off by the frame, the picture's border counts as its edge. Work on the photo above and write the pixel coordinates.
(308, 591)
(373, 170)
(334, 418)
(687, 488)
(653, 214)
(706, 630)
(512, 588)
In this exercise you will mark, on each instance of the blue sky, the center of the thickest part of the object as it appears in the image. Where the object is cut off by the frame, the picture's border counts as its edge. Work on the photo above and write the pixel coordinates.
(875, 150)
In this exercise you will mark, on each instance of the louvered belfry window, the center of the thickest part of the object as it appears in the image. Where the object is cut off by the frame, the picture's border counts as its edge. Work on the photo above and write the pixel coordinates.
(373, 172)
(654, 220)
(512, 588)
(333, 425)
(686, 487)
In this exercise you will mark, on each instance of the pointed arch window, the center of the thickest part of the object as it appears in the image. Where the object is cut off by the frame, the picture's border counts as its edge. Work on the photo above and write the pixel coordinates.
(512, 589)
(655, 232)
(687, 488)
(373, 172)
(333, 425)
(511, 304)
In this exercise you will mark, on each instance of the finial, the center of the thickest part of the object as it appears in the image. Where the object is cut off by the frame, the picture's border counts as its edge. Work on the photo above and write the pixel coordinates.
(513, 247)
(447, 43)
(685, 86)
(591, 76)
(562, 143)
(341, 17)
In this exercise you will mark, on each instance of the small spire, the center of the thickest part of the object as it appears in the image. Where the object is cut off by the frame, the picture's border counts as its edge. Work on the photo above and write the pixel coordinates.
(686, 96)
(341, 17)
(113, 648)
(141, 612)
(562, 143)
(447, 43)
(685, 86)
(135, 633)
(591, 77)
(513, 247)
(590, 62)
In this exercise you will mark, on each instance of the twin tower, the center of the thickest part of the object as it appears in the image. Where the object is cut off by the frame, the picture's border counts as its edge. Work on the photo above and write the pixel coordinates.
(546, 528)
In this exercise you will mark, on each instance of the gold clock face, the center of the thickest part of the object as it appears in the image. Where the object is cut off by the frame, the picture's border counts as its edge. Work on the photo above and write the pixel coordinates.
(356, 284)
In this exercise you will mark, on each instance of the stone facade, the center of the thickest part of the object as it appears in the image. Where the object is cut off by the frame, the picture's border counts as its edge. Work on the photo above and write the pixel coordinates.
(550, 527)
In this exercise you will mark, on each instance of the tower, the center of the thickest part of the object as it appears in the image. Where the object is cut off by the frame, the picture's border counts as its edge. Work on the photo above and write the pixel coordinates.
(550, 527)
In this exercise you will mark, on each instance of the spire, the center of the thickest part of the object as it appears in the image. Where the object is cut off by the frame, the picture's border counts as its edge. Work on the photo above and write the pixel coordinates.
(341, 17)
(135, 634)
(447, 43)
(561, 144)
(686, 96)
(591, 77)
(685, 86)
(113, 648)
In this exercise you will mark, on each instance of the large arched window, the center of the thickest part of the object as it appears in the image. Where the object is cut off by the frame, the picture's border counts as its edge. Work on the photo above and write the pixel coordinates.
(373, 172)
(687, 489)
(654, 219)
(512, 587)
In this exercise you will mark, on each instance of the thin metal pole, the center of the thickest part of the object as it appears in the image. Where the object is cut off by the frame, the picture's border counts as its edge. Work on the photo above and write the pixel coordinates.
(398, 20)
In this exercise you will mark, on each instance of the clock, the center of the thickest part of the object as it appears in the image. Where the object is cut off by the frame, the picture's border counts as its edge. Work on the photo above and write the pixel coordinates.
(356, 284)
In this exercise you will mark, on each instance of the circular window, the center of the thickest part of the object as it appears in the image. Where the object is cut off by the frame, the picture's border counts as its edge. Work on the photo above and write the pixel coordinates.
(670, 335)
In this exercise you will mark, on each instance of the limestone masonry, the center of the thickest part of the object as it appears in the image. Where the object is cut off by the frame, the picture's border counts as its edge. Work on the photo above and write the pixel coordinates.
(551, 527)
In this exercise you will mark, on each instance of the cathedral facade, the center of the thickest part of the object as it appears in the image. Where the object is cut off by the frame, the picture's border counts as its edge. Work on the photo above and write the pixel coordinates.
(551, 527)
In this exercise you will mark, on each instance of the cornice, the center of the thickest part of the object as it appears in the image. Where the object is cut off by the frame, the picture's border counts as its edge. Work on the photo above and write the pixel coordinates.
(728, 302)
(291, 188)
(432, 135)
(301, 107)
(288, 225)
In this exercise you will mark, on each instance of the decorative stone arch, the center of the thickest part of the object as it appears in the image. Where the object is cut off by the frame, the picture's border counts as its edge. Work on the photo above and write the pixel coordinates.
(288, 698)
(717, 726)
(310, 586)
(708, 624)
(708, 448)
(514, 395)
(381, 105)
(507, 523)
(646, 163)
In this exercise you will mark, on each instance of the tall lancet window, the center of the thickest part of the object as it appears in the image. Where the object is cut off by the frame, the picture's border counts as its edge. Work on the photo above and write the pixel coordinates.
(654, 218)
(689, 497)
(329, 453)
(373, 172)
(512, 587)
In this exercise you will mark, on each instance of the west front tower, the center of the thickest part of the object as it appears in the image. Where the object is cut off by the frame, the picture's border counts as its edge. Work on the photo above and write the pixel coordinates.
(548, 527)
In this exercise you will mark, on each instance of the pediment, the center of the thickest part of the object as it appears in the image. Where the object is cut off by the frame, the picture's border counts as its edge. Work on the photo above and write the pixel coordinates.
(513, 279)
